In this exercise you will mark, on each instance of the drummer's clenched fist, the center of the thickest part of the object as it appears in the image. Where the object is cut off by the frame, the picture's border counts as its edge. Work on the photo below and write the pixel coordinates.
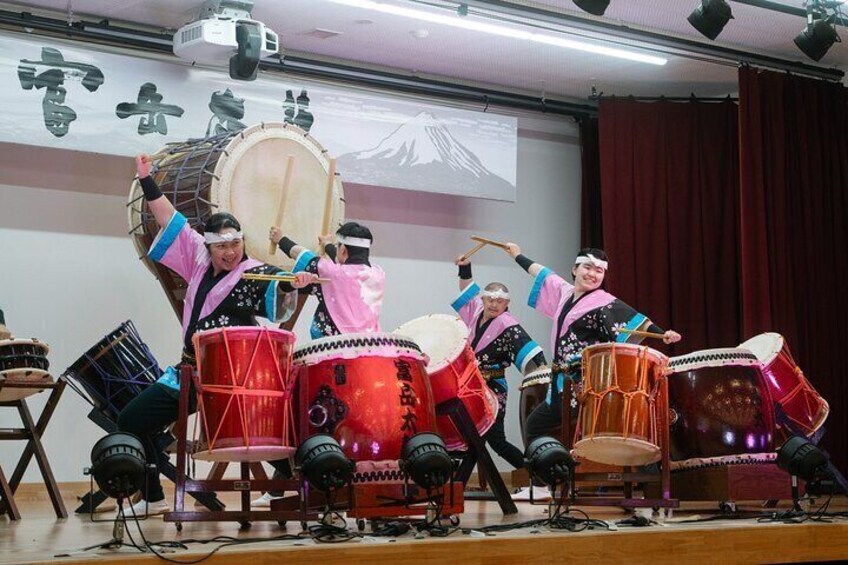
(512, 250)
(324, 240)
(142, 165)
(275, 235)
(671, 336)
(303, 279)
(462, 260)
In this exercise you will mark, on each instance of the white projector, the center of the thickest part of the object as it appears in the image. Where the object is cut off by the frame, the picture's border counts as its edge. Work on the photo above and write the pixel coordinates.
(213, 41)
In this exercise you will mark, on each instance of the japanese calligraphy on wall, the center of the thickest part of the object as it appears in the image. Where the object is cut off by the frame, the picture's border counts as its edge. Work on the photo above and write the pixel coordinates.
(72, 96)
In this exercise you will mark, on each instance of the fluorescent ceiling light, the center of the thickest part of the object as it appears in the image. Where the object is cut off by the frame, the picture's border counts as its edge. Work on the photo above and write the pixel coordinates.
(493, 29)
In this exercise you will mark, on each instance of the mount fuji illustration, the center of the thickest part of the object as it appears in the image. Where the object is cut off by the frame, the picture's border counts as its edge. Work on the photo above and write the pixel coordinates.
(422, 154)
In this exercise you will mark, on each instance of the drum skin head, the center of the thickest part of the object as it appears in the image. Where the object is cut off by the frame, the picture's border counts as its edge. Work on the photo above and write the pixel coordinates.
(441, 336)
(765, 346)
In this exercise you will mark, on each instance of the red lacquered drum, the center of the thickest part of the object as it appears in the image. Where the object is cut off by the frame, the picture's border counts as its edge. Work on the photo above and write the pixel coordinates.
(453, 373)
(786, 381)
(368, 390)
(617, 423)
(244, 386)
(719, 407)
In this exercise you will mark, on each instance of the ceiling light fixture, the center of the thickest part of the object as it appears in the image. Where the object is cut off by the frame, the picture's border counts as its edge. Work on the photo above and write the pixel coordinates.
(820, 34)
(710, 17)
(596, 7)
(473, 24)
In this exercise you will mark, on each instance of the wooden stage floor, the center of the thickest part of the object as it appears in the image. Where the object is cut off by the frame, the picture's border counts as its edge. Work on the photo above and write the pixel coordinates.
(40, 538)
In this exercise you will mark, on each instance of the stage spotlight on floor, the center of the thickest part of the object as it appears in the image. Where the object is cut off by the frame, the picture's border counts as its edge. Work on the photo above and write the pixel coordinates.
(323, 463)
(801, 458)
(710, 17)
(549, 461)
(425, 459)
(596, 7)
(118, 465)
(818, 37)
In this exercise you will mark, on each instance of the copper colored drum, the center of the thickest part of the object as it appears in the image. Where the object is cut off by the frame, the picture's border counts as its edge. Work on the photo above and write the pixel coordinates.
(617, 423)
(786, 381)
(244, 389)
(534, 390)
(719, 406)
(453, 372)
(368, 390)
(242, 173)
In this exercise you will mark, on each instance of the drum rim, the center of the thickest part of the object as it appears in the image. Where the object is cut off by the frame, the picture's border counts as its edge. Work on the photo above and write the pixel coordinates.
(657, 356)
(723, 356)
(455, 352)
(251, 329)
(320, 349)
(25, 341)
(778, 340)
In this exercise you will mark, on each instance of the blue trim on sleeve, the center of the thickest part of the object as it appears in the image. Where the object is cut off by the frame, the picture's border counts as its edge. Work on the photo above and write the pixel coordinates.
(530, 350)
(170, 378)
(633, 324)
(502, 381)
(465, 296)
(271, 301)
(303, 260)
(165, 239)
(537, 286)
(314, 332)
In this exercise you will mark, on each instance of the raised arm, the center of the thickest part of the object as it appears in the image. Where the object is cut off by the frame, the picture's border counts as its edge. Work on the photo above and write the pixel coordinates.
(514, 251)
(286, 245)
(465, 277)
(159, 206)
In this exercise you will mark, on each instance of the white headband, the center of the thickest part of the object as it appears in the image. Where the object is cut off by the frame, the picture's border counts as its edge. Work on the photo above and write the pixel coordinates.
(495, 294)
(354, 241)
(592, 260)
(222, 237)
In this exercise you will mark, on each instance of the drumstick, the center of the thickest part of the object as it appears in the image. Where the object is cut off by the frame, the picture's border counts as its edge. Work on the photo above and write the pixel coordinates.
(272, 247)
(328, 202)
(641, 333)
(474, 250)
(488, 241)
(283, 278)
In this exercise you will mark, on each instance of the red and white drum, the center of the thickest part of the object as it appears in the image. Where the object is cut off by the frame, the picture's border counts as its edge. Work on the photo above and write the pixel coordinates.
(800, 402)
(720, 410)
(22, 361)
(368, 390)
(244, 385)
(454, 373)
(619, 401)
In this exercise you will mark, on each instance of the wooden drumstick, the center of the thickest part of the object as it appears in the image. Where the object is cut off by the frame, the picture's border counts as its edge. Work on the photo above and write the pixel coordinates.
(272, 247)
(328, 202)
(475, 249)
(641, 333)
(488, 241)
(283, 278)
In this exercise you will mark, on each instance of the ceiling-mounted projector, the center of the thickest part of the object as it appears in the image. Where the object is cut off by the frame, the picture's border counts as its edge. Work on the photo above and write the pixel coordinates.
(224, 33)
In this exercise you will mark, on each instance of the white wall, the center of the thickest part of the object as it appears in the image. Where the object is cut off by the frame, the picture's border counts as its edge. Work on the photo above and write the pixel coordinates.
(69, 273)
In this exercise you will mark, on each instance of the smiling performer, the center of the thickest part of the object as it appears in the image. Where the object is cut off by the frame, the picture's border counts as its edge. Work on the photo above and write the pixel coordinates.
(584, 314)
(498, 341)
(217, 296)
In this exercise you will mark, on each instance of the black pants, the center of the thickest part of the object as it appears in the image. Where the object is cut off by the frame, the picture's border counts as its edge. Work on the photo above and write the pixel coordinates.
(145, 417)
(496, 436)
(545, 416)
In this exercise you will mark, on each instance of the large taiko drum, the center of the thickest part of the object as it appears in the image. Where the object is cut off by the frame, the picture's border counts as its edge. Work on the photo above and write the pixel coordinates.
(22, 361)
(720, 410)
(244, 385)
(368, 390)
(619, 401)
(114, 371)
(534, 390)
(453, 372)
(242, 173)
(788, 386)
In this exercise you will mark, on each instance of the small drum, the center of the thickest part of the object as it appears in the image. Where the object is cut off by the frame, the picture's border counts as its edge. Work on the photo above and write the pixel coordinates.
(617, 421)
(22, 361)
(534, 389)
(719, 406)
(453, 373)
(368, 390)
(242, 173)
(114, 371)
(244, 385)
(799, 400)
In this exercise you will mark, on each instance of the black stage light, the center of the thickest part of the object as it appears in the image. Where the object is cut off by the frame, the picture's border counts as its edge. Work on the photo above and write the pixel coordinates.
(801, 458)
(425, 459)
(245, 62)
(549, 461)
(817, 38)
(596, 7)
(710, 17)
(323, 463)
(118, 464)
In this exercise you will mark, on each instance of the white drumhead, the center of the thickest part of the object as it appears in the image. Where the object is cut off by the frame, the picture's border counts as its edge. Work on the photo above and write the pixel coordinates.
(540, 376)
(617, 450)
(765, 346)
(351, 346)
(441, 337)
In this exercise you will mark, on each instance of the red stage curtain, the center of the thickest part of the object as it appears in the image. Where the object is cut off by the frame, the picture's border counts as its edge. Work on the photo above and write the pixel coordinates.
(591, 228)
(793, 233)
(669, 199)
